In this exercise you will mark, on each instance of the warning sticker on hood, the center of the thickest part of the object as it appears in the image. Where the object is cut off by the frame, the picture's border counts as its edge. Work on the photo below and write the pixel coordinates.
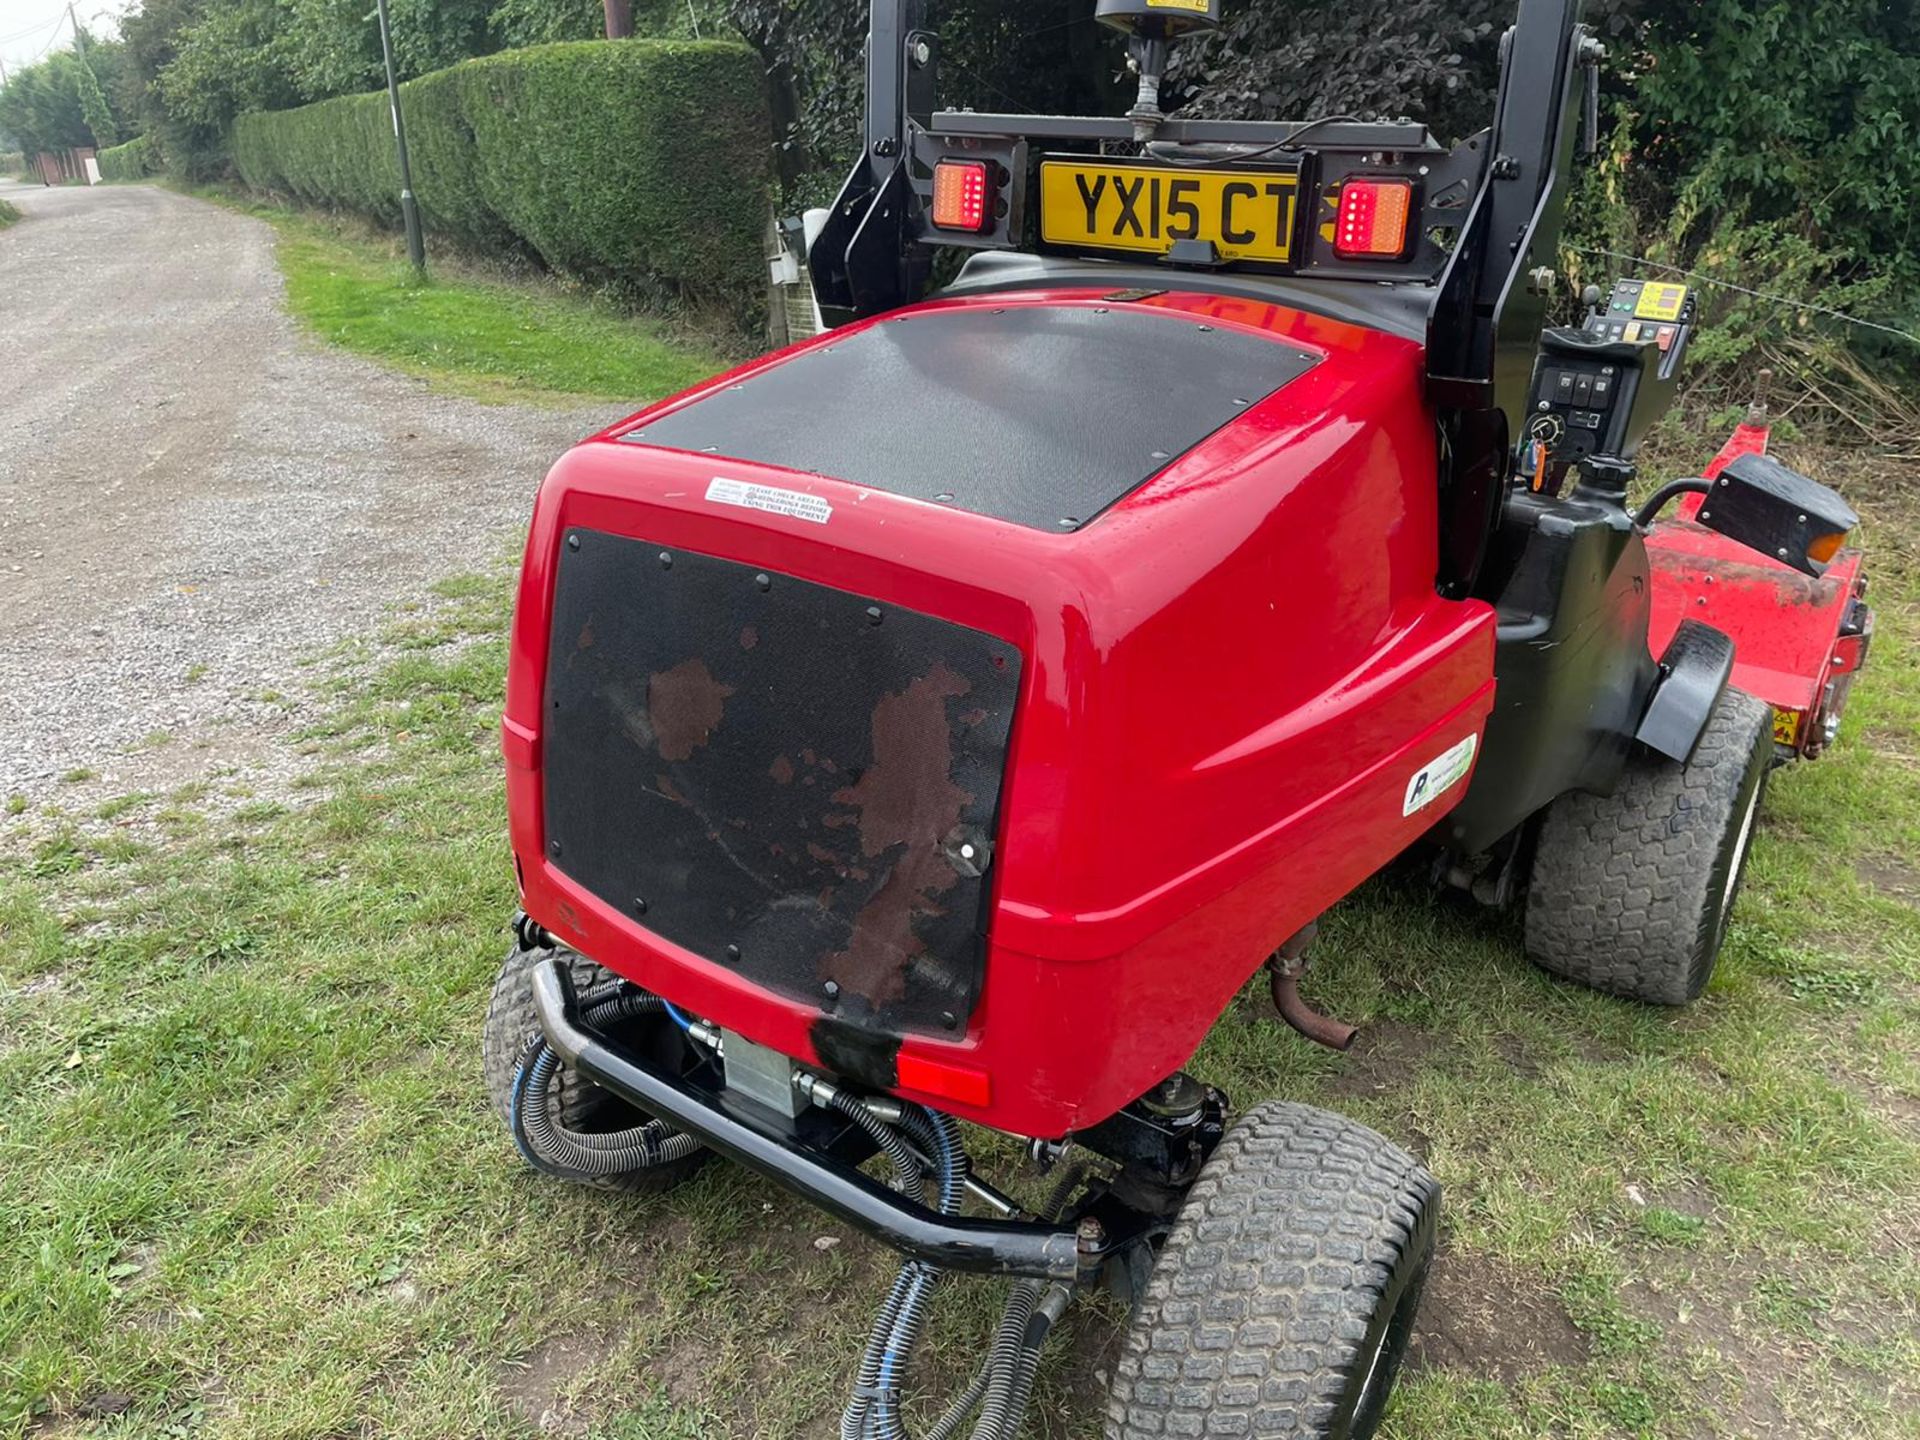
(1433, 781)
(796, 504)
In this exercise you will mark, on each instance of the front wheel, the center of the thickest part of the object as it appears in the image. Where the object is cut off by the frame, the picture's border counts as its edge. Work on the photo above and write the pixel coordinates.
(1283, 1302)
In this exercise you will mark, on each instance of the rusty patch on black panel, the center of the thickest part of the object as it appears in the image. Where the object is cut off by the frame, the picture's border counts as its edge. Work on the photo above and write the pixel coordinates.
(907, 801)
(792, 798)
(684, 705)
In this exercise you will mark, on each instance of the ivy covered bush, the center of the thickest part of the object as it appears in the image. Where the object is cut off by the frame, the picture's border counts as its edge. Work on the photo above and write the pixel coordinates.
(638, 162)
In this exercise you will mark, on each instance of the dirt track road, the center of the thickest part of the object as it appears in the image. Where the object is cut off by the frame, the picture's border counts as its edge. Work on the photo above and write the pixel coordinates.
(193, 495)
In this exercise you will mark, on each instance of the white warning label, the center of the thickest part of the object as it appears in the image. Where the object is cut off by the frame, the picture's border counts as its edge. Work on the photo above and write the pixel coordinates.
(794, 503)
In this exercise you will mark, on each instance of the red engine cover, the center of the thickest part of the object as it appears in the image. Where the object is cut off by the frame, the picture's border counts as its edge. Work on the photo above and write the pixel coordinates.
(1236, 678)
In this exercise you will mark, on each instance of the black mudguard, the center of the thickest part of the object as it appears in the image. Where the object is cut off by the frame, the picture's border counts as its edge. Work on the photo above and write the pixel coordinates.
(1693, 674)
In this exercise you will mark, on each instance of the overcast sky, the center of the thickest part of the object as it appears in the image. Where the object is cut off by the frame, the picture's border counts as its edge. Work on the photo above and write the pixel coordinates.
(26, 26)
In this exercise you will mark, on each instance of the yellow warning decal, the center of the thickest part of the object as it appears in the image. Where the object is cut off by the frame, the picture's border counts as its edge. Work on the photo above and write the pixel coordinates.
(1661, 302)
(1786, 726)
(1198, 7)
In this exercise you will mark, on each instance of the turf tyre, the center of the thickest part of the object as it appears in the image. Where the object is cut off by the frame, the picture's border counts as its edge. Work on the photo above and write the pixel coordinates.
(1282, 1303)
(574, 1103)
(1632, 892)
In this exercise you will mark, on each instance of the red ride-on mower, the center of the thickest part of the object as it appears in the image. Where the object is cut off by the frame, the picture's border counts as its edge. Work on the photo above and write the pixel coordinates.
(942, 719)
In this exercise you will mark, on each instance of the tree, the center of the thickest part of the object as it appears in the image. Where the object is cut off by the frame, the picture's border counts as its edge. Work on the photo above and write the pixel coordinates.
(46, 105)
(93, 100)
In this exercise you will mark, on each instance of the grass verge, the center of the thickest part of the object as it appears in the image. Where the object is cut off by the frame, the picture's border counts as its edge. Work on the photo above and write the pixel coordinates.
(467, 331)
(249, 1185)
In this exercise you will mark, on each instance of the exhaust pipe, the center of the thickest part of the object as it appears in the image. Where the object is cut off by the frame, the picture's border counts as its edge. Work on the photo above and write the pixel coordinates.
(1288, 964)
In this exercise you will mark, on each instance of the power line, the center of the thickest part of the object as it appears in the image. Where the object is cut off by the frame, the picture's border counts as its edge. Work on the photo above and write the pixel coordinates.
(51, 39)
(33, 29)
(1811, 309)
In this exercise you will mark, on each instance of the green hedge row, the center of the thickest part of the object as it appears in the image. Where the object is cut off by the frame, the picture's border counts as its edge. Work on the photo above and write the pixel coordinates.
(12, 162)
(644, 162)
(134, 160)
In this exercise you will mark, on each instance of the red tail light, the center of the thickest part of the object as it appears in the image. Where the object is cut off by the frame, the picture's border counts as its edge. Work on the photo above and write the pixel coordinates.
(963, 196)
(1373, 221)
(960, 1083)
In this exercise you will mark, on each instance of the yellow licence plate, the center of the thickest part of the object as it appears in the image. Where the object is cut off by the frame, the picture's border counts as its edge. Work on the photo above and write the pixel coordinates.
(1144, 209)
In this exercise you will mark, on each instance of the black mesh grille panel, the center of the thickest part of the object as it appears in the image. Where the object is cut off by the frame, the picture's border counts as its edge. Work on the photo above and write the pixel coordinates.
(1040, 415)
(791, 780)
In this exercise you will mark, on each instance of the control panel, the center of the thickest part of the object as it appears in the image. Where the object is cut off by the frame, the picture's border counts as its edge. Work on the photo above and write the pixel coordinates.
(1639, 311)
(1599, 388)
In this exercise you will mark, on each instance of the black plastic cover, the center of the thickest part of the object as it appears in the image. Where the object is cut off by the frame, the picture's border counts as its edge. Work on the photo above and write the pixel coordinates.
(790, 780)
(1779, 512)
(1041, 415)
(1572, 662)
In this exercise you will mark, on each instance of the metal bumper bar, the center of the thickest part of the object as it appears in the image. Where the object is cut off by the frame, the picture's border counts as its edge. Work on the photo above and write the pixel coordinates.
(993, 1247)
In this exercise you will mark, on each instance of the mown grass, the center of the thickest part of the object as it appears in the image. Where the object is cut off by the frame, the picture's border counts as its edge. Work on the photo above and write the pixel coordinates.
(249, 1185)
(466, 331)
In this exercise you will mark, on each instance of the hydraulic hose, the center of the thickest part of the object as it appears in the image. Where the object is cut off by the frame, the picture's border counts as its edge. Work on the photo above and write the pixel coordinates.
(874, 1413)
(939, 1135)
(948, 1425)
(906, 1167)
(1002, 1388)
(906, 1170)
(1004, 1361)
(1053, 1304)
(1657, 502)
(549, 1145)
(1031, 1311)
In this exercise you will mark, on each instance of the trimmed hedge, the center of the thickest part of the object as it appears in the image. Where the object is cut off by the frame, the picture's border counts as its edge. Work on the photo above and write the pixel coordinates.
(134, 160)
(644, 162)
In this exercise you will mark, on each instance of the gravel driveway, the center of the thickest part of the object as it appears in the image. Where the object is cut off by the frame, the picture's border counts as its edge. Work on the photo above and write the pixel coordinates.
(193, 495)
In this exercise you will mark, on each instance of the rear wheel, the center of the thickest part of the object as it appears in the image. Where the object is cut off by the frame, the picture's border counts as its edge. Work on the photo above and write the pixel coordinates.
(1284, 1299)
(572, 1103)
(1632, 892)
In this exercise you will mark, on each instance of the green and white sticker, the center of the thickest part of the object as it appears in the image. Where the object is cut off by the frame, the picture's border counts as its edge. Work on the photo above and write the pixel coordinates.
(1432, 781)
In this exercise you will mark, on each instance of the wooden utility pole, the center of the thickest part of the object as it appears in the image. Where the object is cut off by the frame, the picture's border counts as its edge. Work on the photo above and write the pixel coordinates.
(619, 18)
